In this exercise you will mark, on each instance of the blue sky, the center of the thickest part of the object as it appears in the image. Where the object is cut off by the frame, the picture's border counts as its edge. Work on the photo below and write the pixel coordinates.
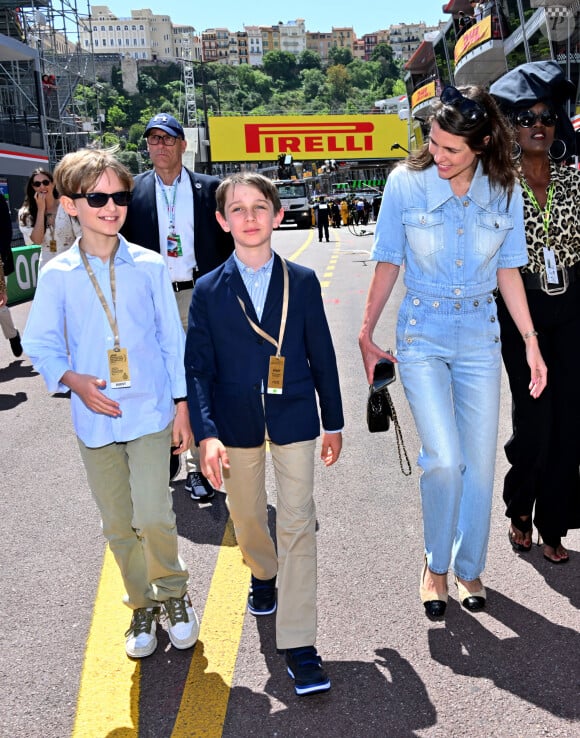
(319, 16)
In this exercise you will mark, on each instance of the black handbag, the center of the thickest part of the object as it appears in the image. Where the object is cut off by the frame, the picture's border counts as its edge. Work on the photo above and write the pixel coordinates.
(380, 410)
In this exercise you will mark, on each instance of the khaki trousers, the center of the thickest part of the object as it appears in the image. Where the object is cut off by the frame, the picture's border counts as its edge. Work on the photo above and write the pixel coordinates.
(130, 484)
(295, 564)
(183, 299)
(6, 323)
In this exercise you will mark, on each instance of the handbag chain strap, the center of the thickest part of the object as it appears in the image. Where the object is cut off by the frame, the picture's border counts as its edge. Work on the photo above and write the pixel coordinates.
(399, 437)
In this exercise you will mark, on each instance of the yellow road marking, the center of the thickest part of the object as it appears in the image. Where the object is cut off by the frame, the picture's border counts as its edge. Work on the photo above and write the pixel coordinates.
(109, 689)
(206, 693)
(302, 248)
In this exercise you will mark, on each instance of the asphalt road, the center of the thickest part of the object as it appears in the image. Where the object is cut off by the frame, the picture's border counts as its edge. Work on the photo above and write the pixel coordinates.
(513, 670)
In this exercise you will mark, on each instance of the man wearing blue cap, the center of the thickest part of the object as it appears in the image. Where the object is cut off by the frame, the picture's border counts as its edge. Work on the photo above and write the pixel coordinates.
(172, 211)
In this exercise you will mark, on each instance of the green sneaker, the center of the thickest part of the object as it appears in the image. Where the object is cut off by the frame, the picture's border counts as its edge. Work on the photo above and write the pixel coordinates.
(181, 620)
(141, 640)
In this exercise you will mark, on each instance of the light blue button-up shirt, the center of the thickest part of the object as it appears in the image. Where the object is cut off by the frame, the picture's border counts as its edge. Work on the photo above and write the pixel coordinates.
(67, 310)
(451, 246)
(256, 281)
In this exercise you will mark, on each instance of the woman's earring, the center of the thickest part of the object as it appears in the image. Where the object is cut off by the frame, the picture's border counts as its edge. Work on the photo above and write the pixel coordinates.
(516, 151)
(557, 150)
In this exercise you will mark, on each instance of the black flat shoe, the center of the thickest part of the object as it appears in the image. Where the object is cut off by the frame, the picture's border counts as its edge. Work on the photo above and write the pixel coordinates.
(472, 601)
(434, 607)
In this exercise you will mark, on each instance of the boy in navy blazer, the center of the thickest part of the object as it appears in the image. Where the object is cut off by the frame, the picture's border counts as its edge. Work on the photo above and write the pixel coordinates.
(258, 352)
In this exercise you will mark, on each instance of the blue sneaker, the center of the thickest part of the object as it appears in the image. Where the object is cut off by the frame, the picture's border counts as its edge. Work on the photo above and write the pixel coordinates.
(262, 597)
(305, 667)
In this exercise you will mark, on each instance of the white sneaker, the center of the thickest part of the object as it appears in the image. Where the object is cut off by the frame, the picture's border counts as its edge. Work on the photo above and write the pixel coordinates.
(141, 640)
(182, 622)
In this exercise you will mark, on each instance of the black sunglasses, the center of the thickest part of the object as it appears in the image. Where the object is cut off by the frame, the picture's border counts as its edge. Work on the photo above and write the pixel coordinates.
(471, 110)
(41, 183)
(100, 199)
(527, 118)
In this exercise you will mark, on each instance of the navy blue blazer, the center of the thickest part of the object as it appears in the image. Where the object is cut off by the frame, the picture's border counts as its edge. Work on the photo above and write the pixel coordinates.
(211, 244)
(227, 362)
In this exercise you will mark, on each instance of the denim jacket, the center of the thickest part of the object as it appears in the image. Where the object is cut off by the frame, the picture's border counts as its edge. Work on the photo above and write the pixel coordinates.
(451, 246)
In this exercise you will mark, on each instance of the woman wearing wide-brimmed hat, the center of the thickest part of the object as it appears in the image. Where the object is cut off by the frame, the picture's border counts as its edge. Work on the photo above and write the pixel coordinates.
(543, 484)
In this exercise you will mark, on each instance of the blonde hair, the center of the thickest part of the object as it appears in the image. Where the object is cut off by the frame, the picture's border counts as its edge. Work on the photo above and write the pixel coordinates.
(80, 170)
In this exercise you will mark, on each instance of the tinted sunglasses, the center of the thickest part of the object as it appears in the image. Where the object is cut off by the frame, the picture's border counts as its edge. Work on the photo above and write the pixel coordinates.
(100, 199)
(471, 110)
(41, 183)
(527, 118)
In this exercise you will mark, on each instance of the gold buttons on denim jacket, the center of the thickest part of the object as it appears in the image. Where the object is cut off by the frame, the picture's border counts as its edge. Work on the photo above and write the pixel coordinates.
(457, 291)
(457, 306)
(476, 303)
(492, 319)
(436, 304)
(416, 301)
(459, 263)
(466, 203)
(413, 321)
(460, 231)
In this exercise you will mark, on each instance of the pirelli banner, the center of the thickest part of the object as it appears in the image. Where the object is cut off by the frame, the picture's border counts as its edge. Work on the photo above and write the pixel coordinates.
(264, 138)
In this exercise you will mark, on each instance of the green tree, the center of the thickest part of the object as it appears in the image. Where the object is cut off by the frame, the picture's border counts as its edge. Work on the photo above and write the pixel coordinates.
(309, 59)
(338, 82)
(116, 118)
(313, 83)
(281, 67)
(339, 55)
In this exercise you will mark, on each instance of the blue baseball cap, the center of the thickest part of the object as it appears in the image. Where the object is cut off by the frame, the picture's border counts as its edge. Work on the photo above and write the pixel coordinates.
(166, 123)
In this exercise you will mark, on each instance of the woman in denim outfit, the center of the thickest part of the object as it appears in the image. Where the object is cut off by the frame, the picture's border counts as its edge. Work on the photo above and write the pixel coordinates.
(452, 214)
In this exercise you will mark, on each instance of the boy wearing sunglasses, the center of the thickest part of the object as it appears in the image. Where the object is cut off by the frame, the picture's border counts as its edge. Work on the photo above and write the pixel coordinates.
(122, 359)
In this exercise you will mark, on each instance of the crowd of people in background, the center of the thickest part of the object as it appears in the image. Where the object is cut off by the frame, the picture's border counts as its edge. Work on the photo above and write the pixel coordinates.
(348, 210)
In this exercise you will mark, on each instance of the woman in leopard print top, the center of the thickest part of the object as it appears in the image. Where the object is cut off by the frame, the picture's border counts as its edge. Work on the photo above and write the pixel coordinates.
(544, 450)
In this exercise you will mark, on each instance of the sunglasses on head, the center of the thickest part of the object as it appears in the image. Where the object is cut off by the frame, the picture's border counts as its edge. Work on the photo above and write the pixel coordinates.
(41, 183)
(471, 110)
(100, 199)
(527, 118)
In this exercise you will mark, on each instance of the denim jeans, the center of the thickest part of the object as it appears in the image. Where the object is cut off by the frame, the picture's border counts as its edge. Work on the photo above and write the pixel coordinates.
(450, 366)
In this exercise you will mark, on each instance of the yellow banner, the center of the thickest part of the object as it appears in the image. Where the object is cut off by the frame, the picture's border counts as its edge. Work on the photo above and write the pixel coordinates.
(474, 36)
(264, 138)
(423, 93)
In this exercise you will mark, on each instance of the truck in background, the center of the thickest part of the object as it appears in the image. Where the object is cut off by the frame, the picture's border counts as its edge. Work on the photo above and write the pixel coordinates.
(295, 198)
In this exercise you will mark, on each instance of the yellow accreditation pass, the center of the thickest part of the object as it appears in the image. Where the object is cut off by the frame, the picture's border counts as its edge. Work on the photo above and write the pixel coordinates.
(119, 368)
(276, 375)
(52, 245)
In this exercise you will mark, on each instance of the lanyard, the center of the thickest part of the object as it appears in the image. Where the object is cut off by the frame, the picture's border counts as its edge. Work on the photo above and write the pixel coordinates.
(544, 212)
(170, 205)
(112, 320)
(259, 331)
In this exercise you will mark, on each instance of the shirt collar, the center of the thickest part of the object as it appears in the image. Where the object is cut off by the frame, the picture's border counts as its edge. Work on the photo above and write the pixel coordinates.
(244, 269)
(74, 253)
(439, 190)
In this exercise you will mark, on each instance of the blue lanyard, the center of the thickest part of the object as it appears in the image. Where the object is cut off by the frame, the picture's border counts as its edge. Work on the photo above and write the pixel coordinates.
(170, 205)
